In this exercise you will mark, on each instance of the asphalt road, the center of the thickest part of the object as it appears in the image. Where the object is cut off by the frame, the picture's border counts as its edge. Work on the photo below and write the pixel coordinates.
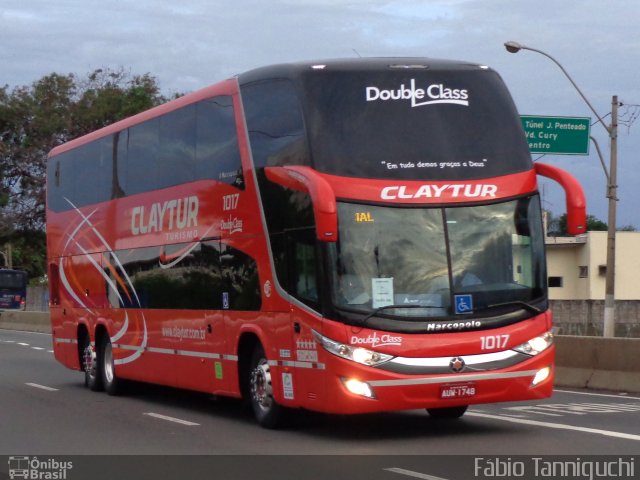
(45, 411)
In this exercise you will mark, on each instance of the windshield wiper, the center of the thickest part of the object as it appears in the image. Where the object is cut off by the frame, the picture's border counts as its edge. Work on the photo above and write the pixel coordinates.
(387, 307)
(519, 303)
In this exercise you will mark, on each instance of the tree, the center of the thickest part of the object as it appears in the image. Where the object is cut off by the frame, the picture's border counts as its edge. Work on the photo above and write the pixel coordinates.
(36, 118)
(557, 226)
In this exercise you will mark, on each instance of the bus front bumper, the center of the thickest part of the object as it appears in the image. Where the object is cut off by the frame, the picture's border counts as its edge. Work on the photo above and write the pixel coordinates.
(359, 389)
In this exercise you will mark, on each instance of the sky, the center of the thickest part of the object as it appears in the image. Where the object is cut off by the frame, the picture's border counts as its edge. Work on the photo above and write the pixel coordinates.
(189, 44)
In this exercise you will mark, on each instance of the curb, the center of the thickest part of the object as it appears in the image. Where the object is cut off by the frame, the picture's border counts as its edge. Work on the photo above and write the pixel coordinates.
(597, 363)
(25, 321)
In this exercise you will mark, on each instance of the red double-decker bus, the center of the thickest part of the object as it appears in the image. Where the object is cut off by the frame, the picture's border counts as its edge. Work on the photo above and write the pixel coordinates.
(342, 236)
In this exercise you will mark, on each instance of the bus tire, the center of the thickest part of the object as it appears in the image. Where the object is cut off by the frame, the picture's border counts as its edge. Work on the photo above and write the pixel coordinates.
(448, 412)
(267, 412)
(107, 368)
(88, 357)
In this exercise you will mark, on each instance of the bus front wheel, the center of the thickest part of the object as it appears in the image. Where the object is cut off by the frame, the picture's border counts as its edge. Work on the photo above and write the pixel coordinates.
(267, 412)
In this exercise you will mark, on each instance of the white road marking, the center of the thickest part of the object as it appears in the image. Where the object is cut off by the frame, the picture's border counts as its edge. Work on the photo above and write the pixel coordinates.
(411, 473)
(42, 387)
(562, 409)
(535, 409)
(559, 426)
(31, 333)
(172, 419)
(516, 416)
(27, 344)
(609, 395)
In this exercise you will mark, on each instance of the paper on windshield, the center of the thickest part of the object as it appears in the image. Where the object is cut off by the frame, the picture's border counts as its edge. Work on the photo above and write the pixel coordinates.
(382, 292)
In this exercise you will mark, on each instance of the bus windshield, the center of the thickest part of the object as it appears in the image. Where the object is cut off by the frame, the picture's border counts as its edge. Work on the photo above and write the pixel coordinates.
(413, 123)
(427, 258)
(13, 288)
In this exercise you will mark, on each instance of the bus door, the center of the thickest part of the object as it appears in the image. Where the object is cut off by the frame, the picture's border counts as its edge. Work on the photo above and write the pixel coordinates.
(305, 289)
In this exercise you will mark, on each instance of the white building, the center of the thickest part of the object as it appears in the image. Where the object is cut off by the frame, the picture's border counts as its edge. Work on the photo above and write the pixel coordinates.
(576, 269)
(576, 266)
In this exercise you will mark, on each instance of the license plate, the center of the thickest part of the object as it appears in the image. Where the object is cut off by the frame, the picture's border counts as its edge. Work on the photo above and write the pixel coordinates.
(458, 391)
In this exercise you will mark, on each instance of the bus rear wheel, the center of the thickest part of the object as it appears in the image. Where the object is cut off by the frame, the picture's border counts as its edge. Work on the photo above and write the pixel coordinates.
(265, 409)
(448, 412)
(107, 367)
(92, 378)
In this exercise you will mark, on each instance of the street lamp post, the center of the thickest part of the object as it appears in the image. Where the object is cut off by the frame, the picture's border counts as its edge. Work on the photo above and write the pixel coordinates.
(612, 187)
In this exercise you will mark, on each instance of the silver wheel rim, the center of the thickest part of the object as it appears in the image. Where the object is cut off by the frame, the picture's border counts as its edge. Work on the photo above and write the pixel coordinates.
(261, 390)
(89, 360)
(108, 363)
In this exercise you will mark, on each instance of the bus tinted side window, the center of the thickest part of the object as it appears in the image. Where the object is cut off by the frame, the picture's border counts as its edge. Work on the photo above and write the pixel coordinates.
(275, 123)
(60, 182)
(177, 154)
(92, 172)
(240, 272)
(196, 142)
(142, 157)
(81, 176)
(217, 152)
(304, 270)
(204, 276)
(179, 276)
(277, 137)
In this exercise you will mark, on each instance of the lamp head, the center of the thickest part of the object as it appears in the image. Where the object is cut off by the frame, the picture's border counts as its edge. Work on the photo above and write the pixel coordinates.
(512, 47)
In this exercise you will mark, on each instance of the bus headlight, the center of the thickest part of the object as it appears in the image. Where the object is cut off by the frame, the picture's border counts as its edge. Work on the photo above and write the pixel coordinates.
(536, 345)
(355, 354)
(357, 387)
(541, 376)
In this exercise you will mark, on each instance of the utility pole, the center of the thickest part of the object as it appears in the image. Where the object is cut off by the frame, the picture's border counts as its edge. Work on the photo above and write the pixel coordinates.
(612, 190)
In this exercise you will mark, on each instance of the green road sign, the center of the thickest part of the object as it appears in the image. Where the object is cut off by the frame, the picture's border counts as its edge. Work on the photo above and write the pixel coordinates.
(557, 135)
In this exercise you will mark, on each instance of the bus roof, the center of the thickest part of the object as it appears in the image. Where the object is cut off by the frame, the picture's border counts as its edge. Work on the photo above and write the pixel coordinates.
(289, 70)
(285, 70)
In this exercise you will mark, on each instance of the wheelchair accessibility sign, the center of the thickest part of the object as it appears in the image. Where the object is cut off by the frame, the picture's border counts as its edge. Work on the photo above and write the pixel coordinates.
(464, 304)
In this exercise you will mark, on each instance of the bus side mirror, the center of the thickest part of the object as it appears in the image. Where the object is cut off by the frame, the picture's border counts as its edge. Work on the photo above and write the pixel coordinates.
(576, 204)
(305, 179)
